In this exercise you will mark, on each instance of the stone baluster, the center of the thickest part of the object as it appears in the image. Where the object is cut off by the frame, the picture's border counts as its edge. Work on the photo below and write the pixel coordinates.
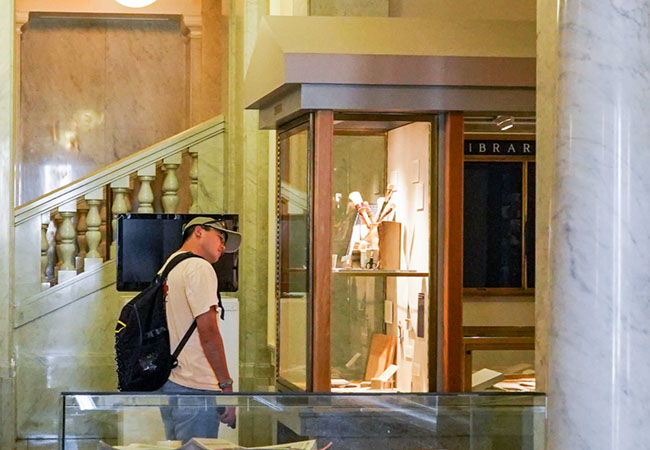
(58, 218)
(82, 228)
(45, 245)
(120, 188)
(194, 182)
(68, 235)
(93, 234)
(145, 194)
(103, 214)
(50, 271)
(170, 185)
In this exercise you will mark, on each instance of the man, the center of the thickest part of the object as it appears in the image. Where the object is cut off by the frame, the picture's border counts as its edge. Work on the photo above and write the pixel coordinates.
(202, 366)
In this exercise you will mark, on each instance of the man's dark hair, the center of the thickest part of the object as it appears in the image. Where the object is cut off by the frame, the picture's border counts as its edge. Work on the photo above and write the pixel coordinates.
(189, 232)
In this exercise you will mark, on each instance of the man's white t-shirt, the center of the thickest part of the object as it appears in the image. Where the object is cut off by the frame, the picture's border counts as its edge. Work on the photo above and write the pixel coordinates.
(192, 291)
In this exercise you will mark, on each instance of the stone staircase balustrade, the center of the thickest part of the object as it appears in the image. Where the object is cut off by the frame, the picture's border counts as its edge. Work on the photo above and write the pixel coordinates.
(72, 221)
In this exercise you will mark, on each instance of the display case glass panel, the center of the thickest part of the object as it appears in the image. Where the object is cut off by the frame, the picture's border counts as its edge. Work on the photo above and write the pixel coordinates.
(503, 370)
(293, 253)
(381, 252)
(311, 421)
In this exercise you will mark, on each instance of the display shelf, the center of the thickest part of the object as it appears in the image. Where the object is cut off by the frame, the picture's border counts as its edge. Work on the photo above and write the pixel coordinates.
(379, 273)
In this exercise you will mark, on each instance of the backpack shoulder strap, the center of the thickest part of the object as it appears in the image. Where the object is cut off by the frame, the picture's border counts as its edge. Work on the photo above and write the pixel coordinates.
(175, 261)
(191, 329)
(184, 340)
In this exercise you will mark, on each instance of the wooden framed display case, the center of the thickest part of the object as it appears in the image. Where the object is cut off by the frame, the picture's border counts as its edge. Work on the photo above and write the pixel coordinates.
(356, 245)
(434, 74)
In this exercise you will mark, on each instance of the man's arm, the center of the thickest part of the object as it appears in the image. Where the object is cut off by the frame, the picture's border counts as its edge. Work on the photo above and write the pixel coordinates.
(212, 345)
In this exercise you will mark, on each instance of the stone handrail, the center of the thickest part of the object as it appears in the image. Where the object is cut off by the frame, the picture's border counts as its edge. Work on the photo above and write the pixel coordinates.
(119, 169)
(70, 231)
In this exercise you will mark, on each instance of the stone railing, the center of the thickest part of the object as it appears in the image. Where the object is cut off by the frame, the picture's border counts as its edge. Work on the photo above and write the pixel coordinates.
(70, 230)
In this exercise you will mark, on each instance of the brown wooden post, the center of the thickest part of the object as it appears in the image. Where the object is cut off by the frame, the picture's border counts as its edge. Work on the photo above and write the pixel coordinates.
(452, 302)
(322, 251)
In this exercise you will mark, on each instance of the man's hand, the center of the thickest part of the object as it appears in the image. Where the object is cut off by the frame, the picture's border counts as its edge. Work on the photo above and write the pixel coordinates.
(228, 417)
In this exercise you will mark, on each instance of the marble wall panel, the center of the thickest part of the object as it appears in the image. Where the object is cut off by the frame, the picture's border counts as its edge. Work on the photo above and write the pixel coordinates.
(246, 192)
(6, 223)
(67, 350)
(94, 91)
(145, 87)
(211, 174)
(349, 8)
(61, 105)
(214, 70)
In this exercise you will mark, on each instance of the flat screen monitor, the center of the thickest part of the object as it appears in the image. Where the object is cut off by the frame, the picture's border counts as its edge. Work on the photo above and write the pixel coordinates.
(145, 241)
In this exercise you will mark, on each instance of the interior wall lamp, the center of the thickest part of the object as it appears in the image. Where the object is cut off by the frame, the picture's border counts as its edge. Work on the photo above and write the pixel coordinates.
(135, 3)
(504, 122)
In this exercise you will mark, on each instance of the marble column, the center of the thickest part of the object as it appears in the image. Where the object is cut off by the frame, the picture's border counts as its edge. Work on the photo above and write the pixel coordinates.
(546, 112)
(245, 159)
(599, 287)
(7, 377)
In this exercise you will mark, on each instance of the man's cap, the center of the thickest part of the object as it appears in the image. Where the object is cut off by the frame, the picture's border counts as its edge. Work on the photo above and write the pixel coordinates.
(233, 239)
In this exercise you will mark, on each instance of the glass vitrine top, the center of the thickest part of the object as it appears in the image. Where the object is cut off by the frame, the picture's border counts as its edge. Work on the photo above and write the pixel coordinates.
(310, 421)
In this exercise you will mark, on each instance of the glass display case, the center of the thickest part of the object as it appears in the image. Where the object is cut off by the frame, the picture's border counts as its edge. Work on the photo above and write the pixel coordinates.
(355, 264)
(311, 421)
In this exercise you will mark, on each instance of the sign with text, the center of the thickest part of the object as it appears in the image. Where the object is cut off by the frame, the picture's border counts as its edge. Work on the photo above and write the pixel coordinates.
(499, 148)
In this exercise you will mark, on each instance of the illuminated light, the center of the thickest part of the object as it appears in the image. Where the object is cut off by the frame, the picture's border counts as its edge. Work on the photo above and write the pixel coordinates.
(504, 122)
(135, 3)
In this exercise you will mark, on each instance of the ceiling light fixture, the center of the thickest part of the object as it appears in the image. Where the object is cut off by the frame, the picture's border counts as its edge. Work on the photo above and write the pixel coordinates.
(135, 3)
(504, 122)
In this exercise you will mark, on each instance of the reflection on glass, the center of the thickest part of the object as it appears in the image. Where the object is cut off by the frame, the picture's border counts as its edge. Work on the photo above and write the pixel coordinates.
(379, 333)
(405, 422)
(503, 370)
(357, 302)
(294, 255)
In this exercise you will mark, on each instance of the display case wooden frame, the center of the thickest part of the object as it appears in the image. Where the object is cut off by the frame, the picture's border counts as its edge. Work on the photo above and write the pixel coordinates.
(320, 269)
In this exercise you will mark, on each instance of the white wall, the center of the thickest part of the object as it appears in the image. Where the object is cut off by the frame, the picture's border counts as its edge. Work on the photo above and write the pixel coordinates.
(406, 145)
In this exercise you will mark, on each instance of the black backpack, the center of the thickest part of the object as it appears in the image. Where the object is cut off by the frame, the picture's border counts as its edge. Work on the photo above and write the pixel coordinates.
(142, 351)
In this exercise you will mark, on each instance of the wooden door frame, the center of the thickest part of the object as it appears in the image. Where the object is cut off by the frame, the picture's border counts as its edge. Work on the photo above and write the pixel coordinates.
(321, 243)
(452, 282)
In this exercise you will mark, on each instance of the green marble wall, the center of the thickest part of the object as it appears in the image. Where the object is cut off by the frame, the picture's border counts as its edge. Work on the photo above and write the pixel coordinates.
(7, 408)
(212, 172)
(349, 8)
(69, 349)
(247, 160)
(246, 186)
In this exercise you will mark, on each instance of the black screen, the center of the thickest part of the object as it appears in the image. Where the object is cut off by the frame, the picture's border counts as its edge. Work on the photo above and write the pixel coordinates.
(492, 244)
(145, 241)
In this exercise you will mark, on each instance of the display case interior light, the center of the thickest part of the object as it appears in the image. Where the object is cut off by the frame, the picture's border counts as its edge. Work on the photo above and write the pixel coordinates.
(504, 122)
(135, 3)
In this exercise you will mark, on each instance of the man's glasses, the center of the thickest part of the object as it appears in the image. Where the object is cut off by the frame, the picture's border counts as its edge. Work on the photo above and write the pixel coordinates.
(222, 234)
